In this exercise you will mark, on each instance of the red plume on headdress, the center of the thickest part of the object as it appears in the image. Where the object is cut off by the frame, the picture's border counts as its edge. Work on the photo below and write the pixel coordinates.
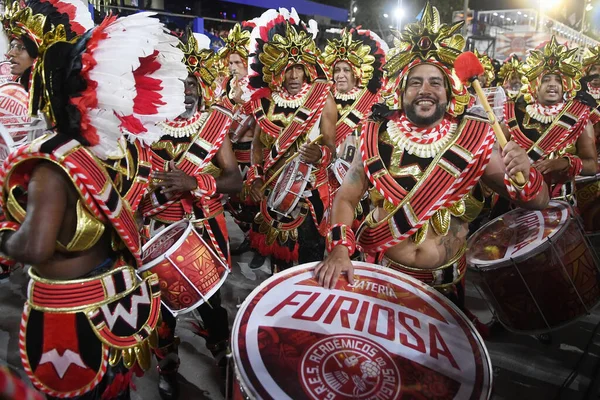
(467, 66)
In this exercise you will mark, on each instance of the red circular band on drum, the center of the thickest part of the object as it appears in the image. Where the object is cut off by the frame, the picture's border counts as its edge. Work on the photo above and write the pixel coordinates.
(387, 337)
(189, 271)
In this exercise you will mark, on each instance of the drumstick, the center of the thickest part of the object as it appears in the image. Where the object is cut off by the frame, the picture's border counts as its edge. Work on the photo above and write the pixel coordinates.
(280, 170)
(468, 68)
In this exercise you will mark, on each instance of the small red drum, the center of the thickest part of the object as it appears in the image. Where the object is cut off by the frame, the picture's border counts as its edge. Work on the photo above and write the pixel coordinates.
(535, 268)
(386, 337)
(190, 272)
(289, 188)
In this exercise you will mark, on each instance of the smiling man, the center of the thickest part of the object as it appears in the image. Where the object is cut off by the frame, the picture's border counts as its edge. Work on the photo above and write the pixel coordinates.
(292, 105)
(549, 122)
(356, 59)
(421, 164)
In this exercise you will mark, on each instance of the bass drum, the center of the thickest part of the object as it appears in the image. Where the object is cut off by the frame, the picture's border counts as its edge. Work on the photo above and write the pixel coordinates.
(587, 193)
(388, 336)
(535, 268)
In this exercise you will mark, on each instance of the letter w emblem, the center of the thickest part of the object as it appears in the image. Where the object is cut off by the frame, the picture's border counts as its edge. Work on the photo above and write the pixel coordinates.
(130, 316)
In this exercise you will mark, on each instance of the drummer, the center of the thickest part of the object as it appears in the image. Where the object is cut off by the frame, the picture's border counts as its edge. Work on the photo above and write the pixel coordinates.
(69, 198)
(235, 54)
(292, 104)
(549, 122)
(510, 76)
(356, 59)
(177, 195)
(422, 163)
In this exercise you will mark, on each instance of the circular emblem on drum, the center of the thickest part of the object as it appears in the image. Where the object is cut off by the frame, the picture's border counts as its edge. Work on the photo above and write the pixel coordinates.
(387, 336)
(349, 366)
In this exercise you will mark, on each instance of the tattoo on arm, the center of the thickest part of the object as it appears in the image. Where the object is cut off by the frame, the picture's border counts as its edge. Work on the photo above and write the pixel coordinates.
(452, 242)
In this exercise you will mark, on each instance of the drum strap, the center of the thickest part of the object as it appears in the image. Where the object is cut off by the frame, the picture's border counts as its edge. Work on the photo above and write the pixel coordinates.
(563, 131)
(451, 175)
(194, 159)
(350, 119)
(91, 180)
(303, 120)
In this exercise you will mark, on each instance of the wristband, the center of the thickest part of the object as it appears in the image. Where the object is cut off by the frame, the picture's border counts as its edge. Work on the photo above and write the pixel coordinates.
(527, 192)
(207, 186)
(325, 156)
(254, 172)
(341, 234)
(575, 165)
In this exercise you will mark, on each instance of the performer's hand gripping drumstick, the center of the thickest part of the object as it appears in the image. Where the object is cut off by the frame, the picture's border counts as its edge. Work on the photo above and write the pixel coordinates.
(468, 68)
(305, 149)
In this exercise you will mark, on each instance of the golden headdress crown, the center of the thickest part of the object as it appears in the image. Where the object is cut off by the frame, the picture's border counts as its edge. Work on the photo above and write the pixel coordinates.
(355, 52)
(237, 42)
(426, 41)
(297, 46)
(591, 56)
(279, 40)
(552, 58)
(200, 61)
(510, 67)
(488, 67)
(19, 20)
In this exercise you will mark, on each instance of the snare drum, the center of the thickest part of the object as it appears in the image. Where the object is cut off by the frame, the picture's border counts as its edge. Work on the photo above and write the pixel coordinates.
(290, 187)
(189, 271)
(386, 337)
(535, 268)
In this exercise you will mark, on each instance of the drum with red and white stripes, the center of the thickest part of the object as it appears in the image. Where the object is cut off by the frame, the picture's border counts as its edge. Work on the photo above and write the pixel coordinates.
(387, 336)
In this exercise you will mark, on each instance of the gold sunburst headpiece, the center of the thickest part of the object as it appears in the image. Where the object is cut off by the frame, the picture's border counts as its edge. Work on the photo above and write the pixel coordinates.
(364, 53)
(552, 58)
(297, 46)
(509, 68)
(591, 56)
(488, 67)
(278, 41)
(201, 62)
(236, 42)
(22, 21)
(426, 41)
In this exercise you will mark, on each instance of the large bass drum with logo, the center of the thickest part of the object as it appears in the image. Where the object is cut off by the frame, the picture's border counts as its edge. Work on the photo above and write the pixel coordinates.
(535, 268)
(386, 337)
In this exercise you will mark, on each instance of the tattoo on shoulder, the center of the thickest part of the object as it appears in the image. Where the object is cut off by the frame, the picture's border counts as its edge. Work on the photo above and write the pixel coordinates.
(355, 174)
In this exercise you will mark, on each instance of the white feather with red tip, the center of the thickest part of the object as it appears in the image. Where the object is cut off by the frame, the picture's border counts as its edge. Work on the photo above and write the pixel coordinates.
(81, 17)
(380, 42)
(118, 57)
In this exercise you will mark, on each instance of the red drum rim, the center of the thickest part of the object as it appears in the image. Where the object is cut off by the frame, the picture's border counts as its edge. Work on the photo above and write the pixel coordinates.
(543, 245)
(241, 375)
(170, 251)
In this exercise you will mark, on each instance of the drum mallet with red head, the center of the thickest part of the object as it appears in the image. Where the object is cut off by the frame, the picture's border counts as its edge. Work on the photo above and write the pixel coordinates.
(468, 68)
